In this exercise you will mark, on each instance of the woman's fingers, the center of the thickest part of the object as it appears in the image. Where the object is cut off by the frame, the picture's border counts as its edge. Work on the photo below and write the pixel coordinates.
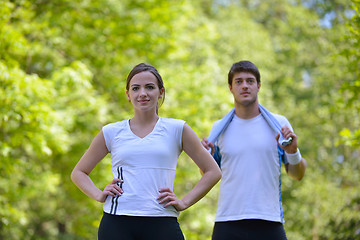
(165, 195)
(169, 198)
(113, 189)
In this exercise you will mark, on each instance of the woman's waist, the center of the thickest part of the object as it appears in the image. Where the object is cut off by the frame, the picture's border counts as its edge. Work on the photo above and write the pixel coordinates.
(129, 170)
(144, 182)
(137, 205)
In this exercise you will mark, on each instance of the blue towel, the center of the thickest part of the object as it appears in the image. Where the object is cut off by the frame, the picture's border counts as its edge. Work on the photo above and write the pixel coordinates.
(225, 121)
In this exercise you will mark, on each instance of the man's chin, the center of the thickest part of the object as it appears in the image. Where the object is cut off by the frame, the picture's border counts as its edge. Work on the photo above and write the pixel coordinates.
(247, 103)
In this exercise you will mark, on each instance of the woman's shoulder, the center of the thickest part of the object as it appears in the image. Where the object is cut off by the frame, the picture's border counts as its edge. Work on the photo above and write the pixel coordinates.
(172, 121)
(115, 125)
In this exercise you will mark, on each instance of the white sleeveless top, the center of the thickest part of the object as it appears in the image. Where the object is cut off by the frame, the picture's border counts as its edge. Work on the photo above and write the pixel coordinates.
(145, 164)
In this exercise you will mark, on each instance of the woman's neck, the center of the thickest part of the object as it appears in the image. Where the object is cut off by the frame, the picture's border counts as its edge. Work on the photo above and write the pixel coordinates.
(144, 118)
(142, 125)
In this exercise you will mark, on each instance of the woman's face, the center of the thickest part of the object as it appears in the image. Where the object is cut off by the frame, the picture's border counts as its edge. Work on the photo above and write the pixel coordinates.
(144, 91)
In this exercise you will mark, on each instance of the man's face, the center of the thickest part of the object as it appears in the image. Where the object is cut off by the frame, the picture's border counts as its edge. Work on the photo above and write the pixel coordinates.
(245, 88)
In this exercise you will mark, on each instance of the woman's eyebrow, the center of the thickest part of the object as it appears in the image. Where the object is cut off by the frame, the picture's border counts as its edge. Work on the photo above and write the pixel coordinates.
(146, 84)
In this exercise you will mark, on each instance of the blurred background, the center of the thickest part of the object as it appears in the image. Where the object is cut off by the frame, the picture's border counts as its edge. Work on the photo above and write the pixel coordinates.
(63, 66)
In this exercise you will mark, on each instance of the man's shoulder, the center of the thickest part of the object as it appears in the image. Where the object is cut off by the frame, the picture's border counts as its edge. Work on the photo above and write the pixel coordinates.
(279, 117)
(282, 120)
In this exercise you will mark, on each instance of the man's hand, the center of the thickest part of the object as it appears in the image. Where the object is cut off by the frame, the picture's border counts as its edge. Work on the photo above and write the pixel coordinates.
(205, 142)
(286, 132)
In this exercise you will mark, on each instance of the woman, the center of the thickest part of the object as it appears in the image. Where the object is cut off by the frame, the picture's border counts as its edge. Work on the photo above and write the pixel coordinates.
(139, 202)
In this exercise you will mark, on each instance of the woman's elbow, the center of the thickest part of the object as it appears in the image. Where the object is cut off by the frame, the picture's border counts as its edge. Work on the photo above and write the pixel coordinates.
(74, 175)
(213, 173)
(218, 174)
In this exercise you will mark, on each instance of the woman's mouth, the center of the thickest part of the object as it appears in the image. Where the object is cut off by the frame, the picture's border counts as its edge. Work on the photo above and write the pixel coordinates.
(143, 101)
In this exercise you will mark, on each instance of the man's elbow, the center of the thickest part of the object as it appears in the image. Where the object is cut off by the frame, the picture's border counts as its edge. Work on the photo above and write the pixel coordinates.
(299, 177)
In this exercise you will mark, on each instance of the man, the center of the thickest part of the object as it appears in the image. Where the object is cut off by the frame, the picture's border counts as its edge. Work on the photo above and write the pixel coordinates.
(250, 155)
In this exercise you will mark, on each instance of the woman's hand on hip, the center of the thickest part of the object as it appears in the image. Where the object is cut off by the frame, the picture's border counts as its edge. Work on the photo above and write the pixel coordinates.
(168, 198)
(112, 189)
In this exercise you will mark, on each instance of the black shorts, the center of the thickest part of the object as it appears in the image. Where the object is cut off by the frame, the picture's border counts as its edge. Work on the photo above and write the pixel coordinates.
(139, 228)
(249, 229)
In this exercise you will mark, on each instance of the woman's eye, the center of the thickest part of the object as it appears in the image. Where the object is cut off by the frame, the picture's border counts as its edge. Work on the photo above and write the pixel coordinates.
(150, 87)
(135, 88)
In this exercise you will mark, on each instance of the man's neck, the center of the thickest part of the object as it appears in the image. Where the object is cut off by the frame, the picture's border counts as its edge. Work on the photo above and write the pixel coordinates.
(247, 112)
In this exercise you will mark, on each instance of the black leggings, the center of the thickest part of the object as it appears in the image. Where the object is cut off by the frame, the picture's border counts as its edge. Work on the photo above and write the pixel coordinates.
(116, 227)
(249, 229)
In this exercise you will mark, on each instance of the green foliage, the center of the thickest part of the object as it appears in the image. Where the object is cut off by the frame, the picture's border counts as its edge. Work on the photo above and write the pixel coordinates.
(350, 89)
(63, 66)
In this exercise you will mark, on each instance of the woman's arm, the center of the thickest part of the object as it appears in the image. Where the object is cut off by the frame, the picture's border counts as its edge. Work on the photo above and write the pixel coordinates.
(80, 175)
(212, 173)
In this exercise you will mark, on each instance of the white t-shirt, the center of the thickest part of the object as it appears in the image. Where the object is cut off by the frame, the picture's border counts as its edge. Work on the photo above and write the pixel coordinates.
(250, 187)
(145, 164)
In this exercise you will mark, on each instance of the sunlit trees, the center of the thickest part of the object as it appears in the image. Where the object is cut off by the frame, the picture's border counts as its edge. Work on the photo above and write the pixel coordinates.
(63, 66)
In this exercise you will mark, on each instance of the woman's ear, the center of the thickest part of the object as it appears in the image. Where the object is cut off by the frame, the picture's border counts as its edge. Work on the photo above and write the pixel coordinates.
(127, 94)
(161, 93)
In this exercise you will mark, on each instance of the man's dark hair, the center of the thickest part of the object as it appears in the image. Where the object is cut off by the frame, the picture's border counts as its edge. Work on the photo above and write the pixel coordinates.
(243, 66)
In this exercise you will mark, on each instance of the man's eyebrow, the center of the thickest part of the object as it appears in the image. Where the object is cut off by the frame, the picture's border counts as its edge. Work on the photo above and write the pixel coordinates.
(245, 78)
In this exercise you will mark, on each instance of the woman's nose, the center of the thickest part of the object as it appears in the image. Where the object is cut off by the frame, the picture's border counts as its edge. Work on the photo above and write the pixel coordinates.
(142, 92)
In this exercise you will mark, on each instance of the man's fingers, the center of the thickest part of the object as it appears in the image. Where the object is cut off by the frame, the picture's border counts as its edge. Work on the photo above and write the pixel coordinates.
(277, 137)
(205, 143)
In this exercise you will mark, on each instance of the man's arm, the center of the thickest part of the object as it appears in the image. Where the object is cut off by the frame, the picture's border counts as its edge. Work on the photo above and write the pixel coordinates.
(297, 166)
(297, 171)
